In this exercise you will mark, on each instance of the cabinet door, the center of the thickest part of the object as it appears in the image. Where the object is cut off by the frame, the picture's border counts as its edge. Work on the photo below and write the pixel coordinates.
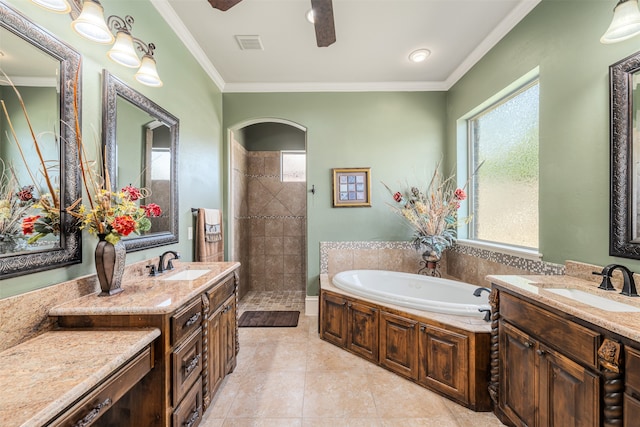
(631, 411)
(398, 344)
(518, 376)
(216, 363)
(443, 363)
(569, 393)
(333, 327)
(362, 330)
(228, 339)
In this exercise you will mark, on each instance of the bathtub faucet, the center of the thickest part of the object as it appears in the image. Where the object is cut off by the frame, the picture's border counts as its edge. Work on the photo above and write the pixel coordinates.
(478, 291)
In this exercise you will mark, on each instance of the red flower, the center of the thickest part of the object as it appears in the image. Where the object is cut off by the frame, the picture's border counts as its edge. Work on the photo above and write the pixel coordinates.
(152, 210)
(397, 197)
(28, 224)
(26, 193)
(124, 225)
(460, 194)
(132, 193)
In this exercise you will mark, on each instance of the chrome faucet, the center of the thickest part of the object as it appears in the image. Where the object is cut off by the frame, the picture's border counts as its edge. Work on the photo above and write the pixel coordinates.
(162, 267)
(628, 286)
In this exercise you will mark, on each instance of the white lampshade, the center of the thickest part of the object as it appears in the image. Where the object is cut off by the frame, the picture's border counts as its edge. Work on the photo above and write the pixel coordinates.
(625, 23)
(123, 51)
(148, 74)
(91, 25)
(58, 6)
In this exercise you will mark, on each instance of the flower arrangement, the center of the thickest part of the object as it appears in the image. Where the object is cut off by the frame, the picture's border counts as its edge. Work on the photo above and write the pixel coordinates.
(116, 214)
(432, 214)
(15, 204)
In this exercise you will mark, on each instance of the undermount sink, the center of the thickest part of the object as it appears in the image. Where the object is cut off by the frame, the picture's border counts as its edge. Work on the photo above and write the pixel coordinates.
(187, 275)
(594, 300)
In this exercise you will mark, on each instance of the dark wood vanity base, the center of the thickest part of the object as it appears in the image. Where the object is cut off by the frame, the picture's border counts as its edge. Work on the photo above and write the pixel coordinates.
(451, 361)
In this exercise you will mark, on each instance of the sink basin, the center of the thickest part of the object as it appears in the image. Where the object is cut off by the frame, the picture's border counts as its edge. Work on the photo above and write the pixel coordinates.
(594, 300)
(187, 275)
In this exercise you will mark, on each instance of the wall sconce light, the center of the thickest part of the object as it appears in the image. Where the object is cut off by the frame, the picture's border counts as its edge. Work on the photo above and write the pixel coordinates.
(89, 22)
(625, 23)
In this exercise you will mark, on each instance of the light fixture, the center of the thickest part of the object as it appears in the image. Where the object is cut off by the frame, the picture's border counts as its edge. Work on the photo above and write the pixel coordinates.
(57, 6)
(147, 73)
(122, 50)
(310, 16)
(625, 23)
(91, 24)
(419, 55)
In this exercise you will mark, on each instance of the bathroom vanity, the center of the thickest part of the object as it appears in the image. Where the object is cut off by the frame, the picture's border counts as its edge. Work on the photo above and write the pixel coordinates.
(194, 308)
(564, 353)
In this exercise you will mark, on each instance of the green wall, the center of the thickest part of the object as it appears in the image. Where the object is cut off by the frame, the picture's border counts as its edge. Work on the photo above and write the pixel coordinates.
(399, 135)
(188, 93)
(562, 38)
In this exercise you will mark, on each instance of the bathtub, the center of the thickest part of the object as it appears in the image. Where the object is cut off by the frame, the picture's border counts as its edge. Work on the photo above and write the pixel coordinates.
(414, 291)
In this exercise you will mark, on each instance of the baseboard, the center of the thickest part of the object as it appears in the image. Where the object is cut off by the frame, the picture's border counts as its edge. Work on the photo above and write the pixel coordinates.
(311, 305)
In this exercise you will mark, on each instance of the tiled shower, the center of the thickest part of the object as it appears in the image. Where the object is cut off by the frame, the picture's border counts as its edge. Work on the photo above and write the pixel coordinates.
(269, 221)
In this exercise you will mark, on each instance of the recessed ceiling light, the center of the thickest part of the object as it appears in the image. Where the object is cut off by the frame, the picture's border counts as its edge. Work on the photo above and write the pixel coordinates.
(310, 17)
(419, 55)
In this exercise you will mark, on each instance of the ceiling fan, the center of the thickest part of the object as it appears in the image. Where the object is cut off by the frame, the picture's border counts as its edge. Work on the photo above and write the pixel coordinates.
(322, 12)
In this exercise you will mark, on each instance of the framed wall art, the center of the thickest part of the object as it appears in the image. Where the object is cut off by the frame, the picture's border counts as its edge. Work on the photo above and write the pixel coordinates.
(351, 187)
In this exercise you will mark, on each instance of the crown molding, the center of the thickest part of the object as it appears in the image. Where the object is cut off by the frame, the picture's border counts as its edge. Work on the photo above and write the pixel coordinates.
(171, 18)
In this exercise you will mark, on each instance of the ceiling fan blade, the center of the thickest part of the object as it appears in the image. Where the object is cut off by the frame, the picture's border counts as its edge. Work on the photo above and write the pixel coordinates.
(324, 24)
(223, 4)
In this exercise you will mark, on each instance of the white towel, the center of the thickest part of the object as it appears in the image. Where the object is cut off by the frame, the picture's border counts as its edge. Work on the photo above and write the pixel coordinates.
(212, 226)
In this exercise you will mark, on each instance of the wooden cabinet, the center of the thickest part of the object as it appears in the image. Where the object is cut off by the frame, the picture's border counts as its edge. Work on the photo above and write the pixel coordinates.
(545, 380)
(632, 387)
(222, 338)
(411, 346)
(398, 344)
(196, 349)
(444, 362)
(350, 324)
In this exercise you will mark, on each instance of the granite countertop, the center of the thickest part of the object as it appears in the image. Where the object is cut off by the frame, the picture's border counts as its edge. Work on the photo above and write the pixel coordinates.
(149, 295)
(467, 323)
(623, 323)
(41, 377)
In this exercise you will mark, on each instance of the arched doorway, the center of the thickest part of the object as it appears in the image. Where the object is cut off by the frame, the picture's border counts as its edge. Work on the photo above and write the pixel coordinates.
(268, 210)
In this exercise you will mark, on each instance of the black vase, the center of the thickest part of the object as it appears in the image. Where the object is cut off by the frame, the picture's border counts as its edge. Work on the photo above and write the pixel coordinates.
(110, 262)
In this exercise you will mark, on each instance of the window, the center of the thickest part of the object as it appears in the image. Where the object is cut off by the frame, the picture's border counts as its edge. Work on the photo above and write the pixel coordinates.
(504, 191)
(293, 166)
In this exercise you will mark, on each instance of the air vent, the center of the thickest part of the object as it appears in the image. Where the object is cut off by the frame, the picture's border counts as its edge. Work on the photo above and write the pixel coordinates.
(249, 42)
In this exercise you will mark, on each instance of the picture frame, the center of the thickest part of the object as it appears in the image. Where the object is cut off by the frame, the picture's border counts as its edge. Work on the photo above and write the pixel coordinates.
(351, 187)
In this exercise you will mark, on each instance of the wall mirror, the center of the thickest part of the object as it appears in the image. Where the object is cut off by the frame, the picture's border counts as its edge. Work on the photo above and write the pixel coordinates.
(625, 157)
(43, 69)
(141, 144)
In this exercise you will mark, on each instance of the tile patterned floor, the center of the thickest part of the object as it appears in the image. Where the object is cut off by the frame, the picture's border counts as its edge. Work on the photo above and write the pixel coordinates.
(272, 300)
(289, 377)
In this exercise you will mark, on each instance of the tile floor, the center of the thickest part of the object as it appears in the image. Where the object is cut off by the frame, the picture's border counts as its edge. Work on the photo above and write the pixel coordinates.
(289, 377)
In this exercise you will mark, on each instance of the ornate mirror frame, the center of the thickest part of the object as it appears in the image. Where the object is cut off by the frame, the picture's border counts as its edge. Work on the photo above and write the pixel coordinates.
(621, 240)
(112, 89)
(70, 250)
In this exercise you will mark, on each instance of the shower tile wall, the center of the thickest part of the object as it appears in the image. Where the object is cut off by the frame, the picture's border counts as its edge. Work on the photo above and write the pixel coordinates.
(240, 216)
(271, 224)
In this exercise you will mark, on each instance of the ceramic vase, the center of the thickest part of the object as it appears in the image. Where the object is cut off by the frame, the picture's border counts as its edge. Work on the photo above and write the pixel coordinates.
(110, 262)
(430, 263)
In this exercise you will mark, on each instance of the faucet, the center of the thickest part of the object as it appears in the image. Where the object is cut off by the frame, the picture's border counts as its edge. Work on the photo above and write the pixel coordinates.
(478, 291)
(629, 285)
(162, 267)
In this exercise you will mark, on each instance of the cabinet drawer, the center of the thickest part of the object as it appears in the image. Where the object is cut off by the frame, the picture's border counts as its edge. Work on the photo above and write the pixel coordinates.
(574, 340)
(220, 293)
(93, 406)
(631, 411)
(632, 370)
(186, 365)
(189, 413)
(186, 321)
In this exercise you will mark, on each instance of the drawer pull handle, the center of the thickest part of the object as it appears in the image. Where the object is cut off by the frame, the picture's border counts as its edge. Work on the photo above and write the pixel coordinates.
(191, 365)
(192, 320)
(93, 414)
(423, 328)
(195, 414)
(528, 344)
(541, 352)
